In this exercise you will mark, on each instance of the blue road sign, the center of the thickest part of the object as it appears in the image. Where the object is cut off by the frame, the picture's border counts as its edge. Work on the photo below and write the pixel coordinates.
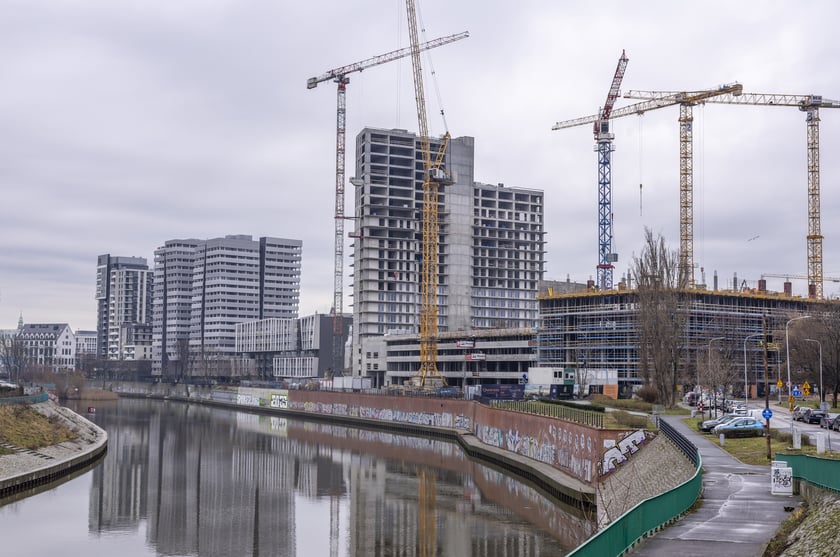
(767, 413)
(796, 392)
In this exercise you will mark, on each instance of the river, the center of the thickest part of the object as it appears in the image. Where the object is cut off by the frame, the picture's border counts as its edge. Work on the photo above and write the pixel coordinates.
(193, 480)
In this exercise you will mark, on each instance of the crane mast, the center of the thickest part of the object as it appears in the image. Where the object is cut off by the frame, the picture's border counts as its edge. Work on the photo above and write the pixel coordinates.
(433, 178)
(686, 100)
(810, 104)
(339, 76)
(604, 147)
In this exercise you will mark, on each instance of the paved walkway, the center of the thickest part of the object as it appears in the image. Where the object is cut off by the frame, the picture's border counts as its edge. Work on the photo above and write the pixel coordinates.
(737, 515)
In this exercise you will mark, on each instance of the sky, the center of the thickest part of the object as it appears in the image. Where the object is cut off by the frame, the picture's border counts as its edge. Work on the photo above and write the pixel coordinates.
(126, 124)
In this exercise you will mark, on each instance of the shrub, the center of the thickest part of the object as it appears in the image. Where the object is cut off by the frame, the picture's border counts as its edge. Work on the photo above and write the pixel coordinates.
(648, 394)
(630, 420)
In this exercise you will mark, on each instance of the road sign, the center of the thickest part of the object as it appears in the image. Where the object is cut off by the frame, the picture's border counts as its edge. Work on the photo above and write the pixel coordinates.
(806, 386)
(796, 392)
(779, 383)
(790, 399)
(767, 413)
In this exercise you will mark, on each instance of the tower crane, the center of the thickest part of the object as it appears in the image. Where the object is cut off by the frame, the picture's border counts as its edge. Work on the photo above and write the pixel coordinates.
(339, 76)
(434, 176)
(810, 105)
(686, 100)
(604, 148)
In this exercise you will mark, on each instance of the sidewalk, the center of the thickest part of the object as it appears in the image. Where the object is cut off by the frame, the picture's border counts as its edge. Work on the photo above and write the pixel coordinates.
(737, 515)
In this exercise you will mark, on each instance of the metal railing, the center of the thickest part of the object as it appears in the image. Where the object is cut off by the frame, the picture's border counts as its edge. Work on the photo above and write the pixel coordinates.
(586, 417)
(817, 471)
(29, 399)
(687, 447)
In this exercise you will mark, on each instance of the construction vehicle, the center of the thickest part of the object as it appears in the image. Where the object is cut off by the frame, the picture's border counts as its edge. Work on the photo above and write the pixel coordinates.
(686, 100)
(810, 104)
(339, 76)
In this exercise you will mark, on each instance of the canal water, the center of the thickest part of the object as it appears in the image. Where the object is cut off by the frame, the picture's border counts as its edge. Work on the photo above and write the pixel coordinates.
(191, 480)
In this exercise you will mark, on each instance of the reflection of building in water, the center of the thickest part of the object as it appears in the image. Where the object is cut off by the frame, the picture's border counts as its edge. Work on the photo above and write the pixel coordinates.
(119, 484)
(211, 482)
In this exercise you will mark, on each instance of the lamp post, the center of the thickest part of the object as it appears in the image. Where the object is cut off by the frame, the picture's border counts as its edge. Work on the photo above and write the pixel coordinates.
(822, 397)
(746, 384)
(710, 366)
(787, 357)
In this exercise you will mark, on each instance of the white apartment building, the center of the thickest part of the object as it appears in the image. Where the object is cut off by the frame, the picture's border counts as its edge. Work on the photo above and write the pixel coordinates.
(289, 348)
(49, 345)
(124, 299)
(491, 246)
(203, 288)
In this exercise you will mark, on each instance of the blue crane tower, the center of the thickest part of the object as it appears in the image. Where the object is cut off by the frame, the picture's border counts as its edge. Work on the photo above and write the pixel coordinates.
(604, 148)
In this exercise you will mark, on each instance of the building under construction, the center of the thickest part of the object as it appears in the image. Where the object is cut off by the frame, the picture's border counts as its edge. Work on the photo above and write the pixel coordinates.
(595, 334)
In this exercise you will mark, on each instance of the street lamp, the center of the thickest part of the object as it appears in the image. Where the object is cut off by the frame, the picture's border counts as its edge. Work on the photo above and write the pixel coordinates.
(822, 396)
(746, 384)
(710, 367)
(787, 357)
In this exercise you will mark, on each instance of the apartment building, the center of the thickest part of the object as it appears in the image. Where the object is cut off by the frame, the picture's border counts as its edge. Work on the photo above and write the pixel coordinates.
(49, 346)
(292, 349)
(203, 288)
(124, 299)
(491, 245)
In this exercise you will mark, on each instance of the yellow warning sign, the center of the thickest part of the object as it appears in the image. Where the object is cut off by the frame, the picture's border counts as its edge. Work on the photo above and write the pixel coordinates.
(790, 399)
(779, 383)
(806, 386)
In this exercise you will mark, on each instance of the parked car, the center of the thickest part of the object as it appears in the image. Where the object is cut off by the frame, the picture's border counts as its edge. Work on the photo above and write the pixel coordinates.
(740, 427)
(709, 425)
(835, 425)
(796, 415)
(812, 416)
(828, 421)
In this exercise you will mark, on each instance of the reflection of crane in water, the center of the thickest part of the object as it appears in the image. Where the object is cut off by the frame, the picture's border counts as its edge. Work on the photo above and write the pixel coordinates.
(426, 519)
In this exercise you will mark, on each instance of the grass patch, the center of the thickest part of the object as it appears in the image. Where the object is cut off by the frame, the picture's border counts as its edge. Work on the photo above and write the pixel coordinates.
(623, 403)
(22, 426)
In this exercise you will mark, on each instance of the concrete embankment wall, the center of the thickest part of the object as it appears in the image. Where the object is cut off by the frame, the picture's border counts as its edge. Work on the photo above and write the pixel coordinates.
(547, 444)
(57, 462)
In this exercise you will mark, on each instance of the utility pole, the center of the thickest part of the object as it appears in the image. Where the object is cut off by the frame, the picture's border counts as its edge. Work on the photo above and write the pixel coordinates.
(767, 413)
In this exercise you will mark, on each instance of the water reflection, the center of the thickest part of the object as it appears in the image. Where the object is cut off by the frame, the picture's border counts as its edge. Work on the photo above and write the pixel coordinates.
(195, 480)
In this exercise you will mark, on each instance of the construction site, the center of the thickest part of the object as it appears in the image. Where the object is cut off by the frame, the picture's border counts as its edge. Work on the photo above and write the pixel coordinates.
(406, 300)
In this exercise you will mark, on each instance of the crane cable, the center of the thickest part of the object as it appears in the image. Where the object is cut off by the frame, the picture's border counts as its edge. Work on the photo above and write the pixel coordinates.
(432, 70)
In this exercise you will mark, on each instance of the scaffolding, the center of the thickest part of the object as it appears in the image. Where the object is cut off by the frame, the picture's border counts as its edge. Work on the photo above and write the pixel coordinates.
(599, 331)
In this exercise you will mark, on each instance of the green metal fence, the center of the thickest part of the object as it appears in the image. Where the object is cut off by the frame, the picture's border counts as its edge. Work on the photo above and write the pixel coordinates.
(31, 399)
(642, 520)
(821, 472)
(588, 417)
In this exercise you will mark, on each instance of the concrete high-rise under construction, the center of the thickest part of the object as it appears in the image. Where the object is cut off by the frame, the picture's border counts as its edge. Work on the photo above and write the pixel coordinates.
(491, 245)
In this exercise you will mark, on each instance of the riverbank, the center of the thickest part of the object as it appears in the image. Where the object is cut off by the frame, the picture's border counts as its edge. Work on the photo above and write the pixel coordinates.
(26, 469)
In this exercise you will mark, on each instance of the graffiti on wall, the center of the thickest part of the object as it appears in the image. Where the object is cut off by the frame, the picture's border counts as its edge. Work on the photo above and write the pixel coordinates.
(618, 454)
(557, 446)
(280, 400)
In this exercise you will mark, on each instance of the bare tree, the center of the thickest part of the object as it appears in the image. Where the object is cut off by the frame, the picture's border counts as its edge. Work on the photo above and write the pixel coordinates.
(661, 319)
(15, 358)
(824, 328)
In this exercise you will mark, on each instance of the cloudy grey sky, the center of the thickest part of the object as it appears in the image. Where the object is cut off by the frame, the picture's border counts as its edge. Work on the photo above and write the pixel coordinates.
(124, 124)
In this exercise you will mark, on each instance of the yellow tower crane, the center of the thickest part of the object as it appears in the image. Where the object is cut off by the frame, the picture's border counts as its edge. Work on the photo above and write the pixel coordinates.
(686, 100)
(339, 76)
(810, 104)
(434, 176)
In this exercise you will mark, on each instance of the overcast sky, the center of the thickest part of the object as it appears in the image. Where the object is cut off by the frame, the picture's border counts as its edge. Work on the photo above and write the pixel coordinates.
(125, 124)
